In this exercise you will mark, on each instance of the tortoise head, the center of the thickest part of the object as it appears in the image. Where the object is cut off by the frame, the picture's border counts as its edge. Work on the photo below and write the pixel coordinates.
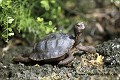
(78, 28)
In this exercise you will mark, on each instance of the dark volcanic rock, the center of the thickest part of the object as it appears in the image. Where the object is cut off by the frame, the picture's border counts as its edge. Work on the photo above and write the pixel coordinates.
(111, 51)
(78, 69)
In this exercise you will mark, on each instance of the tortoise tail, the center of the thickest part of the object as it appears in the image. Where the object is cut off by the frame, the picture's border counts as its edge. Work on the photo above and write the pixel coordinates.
(21, 59)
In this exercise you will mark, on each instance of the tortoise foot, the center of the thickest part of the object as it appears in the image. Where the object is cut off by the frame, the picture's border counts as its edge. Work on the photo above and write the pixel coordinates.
(66, 60)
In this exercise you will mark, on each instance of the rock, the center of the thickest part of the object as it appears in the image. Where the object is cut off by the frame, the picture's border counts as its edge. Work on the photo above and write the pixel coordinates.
(111, 51)
(79, 68)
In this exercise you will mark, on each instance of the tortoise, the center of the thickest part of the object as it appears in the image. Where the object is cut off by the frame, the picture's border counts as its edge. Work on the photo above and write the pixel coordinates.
(58, 47)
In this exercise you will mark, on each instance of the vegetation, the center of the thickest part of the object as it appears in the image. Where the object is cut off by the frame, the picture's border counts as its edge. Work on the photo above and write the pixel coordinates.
(33, 19)
(17, 15)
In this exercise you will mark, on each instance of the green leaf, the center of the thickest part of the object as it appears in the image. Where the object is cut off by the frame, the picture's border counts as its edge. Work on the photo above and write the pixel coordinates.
(10, 29)
(45, 4)
(39, 19)
(50, 23)
(10, 34)
(10, 20)
(0, 1)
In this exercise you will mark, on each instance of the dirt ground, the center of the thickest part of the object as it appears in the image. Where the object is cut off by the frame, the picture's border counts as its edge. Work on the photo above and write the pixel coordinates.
(79, 68)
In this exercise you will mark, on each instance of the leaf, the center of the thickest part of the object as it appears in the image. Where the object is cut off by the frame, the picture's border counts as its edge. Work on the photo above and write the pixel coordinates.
(0, 1)
(10, 20)
(10, 29)
(10, 34)
(39, 19)
(50, 23)
(45, 4)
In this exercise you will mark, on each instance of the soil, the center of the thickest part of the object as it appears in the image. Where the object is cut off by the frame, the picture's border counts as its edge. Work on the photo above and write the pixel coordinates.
(79, 69)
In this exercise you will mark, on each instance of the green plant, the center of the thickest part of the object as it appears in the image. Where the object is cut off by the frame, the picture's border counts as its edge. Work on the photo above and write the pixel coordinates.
(32, 19)
(15, 14)
(6, 19)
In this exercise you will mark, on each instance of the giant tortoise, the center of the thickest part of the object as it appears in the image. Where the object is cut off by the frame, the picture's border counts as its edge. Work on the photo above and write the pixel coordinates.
(58, 47)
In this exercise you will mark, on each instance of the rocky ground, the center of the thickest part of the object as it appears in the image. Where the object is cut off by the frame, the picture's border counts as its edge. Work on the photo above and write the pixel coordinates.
(81, 68)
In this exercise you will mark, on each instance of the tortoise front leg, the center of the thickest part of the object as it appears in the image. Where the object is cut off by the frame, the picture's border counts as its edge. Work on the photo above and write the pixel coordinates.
(67, 60)
(89, 49)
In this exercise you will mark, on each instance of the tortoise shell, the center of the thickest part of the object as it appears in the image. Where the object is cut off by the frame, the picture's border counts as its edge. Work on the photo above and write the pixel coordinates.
(53, 46)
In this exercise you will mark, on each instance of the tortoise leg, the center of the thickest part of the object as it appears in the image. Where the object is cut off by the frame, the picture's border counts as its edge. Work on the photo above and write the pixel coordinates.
(21, 59)
(66, 60)
(89, 49)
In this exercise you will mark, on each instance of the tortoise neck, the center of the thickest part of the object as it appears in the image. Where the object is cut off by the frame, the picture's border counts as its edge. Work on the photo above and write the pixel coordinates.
(77, 38)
